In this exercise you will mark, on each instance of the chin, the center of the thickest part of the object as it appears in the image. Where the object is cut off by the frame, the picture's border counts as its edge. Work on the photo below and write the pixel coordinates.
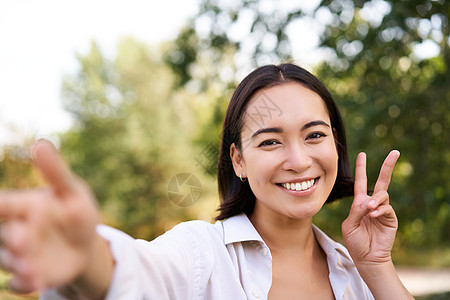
(304, 213)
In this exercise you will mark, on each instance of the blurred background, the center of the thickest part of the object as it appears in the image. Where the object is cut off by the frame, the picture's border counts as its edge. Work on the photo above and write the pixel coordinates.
(134, 93)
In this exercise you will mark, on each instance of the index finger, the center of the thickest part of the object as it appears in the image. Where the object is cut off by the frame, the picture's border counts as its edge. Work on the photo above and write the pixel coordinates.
(360, 175)
(48, 161)
(386, 171)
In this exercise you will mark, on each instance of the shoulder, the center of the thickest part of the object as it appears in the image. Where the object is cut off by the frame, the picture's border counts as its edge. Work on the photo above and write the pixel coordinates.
(197, 227)
(195, 232)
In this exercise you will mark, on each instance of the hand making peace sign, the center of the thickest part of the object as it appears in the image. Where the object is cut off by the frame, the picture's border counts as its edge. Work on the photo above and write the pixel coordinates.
(369, 230)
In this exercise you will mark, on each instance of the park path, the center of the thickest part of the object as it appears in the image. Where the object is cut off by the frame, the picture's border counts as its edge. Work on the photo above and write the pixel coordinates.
(421, 281)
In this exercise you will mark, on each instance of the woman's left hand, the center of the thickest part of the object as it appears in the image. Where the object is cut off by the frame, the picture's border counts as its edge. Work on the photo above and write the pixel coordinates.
(369, 230)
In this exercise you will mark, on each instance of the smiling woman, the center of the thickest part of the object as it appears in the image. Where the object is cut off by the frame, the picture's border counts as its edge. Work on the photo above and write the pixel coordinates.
(256, 87)
(296, 148)
(283, 155)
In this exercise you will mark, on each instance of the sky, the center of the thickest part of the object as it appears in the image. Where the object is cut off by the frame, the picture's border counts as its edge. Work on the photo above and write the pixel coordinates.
(39, 41)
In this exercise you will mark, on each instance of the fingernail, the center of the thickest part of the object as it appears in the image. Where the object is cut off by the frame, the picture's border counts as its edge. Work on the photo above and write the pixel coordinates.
(371, 203)
(396, 152)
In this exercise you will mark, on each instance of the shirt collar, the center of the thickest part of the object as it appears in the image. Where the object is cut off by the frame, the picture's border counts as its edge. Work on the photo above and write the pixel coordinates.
(239, 229)
(332, 249)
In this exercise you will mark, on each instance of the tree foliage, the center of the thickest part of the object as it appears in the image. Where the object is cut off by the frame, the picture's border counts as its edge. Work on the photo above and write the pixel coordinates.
(144, 116)
(390, 95)
(16, 171)
(132, 134)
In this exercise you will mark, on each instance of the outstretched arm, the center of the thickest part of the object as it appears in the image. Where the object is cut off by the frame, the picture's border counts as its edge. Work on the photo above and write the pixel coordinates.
(48, 235)
(369, 231)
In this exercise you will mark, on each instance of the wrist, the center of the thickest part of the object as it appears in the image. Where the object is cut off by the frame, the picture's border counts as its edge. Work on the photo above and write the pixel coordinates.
(382, 280)
(94, 282)
(375, 269)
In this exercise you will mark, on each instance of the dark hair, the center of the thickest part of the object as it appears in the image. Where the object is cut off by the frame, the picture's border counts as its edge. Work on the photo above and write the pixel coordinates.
(237, 196)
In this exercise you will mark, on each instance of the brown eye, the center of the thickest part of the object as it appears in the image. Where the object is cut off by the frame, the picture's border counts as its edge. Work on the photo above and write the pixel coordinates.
(316, 135)
(268, 143)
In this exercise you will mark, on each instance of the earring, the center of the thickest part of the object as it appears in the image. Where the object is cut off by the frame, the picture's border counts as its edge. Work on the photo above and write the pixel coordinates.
(243, 180)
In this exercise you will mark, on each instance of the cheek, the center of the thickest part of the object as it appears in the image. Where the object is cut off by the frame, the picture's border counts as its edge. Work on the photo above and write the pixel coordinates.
(329, 157)
(260, 167)
(335, 162)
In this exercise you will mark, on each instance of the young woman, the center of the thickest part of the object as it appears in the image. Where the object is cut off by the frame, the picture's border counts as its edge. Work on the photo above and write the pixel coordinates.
(283, 155)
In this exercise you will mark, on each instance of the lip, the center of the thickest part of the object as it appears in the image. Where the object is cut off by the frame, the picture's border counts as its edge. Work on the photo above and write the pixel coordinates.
(299, 180)
(300, 193)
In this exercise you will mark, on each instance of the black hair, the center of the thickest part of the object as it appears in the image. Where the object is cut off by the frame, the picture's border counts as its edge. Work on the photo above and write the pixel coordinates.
(237, 196)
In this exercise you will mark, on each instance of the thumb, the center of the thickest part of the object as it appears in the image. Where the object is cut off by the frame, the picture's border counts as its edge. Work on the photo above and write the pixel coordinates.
(52, 167)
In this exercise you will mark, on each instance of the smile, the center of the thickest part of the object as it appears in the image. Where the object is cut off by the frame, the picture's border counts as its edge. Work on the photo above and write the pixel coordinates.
(299, 186)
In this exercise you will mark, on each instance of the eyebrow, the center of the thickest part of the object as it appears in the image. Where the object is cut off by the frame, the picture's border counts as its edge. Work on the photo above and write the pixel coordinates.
(279, 130)
(315, 123)
(267, 130)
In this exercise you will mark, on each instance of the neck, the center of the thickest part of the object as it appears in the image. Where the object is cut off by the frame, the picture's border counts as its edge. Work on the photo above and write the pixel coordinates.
(283, 234)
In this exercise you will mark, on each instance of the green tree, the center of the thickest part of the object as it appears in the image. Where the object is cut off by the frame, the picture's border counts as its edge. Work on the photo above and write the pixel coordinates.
(132, 134)
(389, 95)
(16, 171)
(394, 99)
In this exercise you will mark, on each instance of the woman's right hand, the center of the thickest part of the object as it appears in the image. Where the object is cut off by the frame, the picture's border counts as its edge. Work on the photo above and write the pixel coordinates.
(48, 235)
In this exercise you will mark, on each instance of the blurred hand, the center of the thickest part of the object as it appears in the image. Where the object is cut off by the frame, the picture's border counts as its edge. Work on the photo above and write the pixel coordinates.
(369, 230)
(47, 235)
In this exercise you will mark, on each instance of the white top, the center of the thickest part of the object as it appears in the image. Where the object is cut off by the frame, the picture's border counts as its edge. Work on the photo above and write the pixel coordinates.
(199, 260)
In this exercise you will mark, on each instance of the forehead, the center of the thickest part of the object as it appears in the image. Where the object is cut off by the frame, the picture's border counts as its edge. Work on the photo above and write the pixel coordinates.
(289, 103)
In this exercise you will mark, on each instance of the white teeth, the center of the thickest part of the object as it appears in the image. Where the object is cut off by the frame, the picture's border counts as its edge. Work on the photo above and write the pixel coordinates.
(299, 186)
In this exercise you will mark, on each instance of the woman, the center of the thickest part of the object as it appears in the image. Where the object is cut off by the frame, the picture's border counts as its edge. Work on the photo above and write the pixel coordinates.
(283, 155)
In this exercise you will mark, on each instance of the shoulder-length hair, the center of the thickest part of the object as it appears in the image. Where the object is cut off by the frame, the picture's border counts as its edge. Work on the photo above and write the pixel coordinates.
(236, 196)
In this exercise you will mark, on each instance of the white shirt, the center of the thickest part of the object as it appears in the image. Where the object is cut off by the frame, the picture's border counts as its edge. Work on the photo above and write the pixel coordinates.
(199, 260)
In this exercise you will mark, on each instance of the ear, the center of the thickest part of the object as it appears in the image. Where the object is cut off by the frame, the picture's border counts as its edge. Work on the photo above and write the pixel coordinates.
(238, 161)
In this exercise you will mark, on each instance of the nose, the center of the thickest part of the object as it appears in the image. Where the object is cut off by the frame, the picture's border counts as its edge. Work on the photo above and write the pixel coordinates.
(297, 158)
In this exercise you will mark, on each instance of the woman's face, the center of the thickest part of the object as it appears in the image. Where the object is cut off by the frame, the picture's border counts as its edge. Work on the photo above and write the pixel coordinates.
(288, 151)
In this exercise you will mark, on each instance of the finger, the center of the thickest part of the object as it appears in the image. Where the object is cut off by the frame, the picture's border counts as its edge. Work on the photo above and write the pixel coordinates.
(4, 260)
(14, 204)
(52, 167)
(360, 175)
(353, 221)
(378, 199)
(386, 211)
(22, 285)
(13, 237)
(12, 263)
(22, 281)
(386, 171)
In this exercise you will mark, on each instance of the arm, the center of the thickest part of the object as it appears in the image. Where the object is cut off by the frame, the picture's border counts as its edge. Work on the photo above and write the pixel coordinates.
(95, 281)
(48, 235)
(369, 232)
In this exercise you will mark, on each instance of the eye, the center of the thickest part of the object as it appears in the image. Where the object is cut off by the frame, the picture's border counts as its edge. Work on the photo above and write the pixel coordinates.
(315, 135)
(268, 143)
